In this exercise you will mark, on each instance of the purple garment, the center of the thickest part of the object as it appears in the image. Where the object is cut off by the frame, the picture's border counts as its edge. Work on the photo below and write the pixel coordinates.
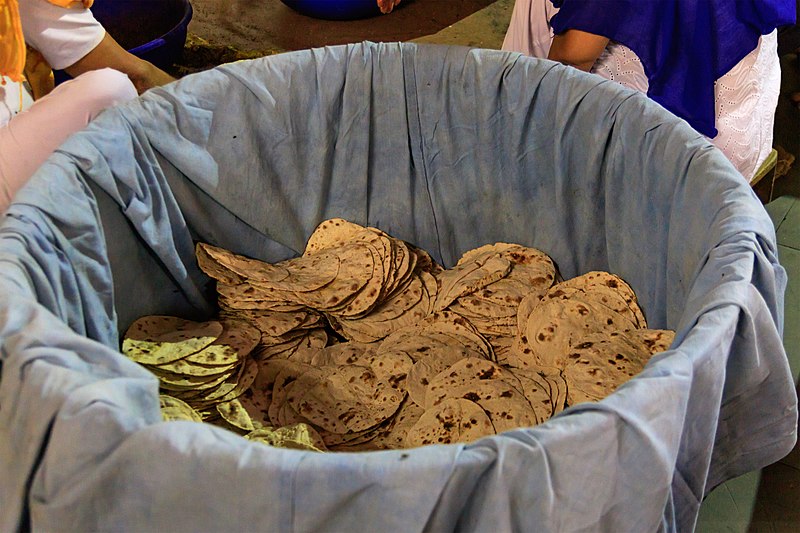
(684, 45)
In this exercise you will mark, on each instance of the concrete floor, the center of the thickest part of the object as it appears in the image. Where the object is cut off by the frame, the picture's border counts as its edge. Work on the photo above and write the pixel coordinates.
(768, 500)
(787, 125)
(270, 25)
(220, 32)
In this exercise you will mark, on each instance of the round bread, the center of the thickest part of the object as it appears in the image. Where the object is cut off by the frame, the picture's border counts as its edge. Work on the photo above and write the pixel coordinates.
(174, 409)
(153, 340)
(599, 363)
(555, 324)
(453, 420)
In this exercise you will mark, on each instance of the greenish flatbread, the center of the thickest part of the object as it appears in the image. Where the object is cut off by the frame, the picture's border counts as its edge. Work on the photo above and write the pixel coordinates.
(154, 340)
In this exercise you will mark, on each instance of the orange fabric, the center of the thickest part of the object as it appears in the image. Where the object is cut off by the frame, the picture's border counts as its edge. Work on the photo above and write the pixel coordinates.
(12, 45)
(72, 3)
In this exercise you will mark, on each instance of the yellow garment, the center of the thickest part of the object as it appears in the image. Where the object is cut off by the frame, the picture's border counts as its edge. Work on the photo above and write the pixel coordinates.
(12, 45)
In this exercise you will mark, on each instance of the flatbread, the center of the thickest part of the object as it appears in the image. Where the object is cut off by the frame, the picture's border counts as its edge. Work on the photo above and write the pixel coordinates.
(213, 269)
(336, 232)
(462, 372)
(233, 387)
(655, 340)
(346, 398)
(469, 277)
(611, 290)
(244, 267)
(173, 409)
(426, 369)
(237, 340)
(541, 392)
(393, 435)
(153, 340)
(453, 420)
(235, 414)
(390, 367)
(186, 382)
(531, 271)
(599, 364)
(431, 356)
(555, 324)
(295, 437)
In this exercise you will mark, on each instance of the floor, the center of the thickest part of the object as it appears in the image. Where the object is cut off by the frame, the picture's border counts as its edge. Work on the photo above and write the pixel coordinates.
(270, 25)
(769, 500)
(765, 501)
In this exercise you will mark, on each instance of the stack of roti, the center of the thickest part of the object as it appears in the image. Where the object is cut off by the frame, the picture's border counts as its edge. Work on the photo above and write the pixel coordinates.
(364, 282)
(592, 330)
(346, 392)
(392, 394)
(597, 363)
(365, 343)
(285, 326)
(297, 436)
(201, 365)
(511, 274)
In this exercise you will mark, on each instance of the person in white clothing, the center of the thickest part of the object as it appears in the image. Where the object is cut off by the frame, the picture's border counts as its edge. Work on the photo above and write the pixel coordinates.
(744, 98)
(35, 118)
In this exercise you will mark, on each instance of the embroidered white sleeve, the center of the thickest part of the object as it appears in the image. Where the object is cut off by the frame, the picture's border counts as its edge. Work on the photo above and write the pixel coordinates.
(745, 99)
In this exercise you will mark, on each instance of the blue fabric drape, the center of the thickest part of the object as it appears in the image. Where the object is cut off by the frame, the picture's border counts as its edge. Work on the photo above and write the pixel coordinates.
(445, 147)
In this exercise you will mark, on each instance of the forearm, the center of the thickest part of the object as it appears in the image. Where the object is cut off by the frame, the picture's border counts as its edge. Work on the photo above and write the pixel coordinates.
(109, 54)
(577, 49)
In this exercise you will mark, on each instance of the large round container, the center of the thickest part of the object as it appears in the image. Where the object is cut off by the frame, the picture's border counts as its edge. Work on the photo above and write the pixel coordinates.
(154, 30)
(447, 148)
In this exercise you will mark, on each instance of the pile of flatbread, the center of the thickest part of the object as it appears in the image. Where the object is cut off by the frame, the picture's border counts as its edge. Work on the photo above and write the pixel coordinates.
(365, 343)
(204, 368)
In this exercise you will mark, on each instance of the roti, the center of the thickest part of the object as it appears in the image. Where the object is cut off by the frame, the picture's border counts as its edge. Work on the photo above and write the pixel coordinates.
(173, 409)
(453, 420)
(235, 414)
(345, 399)
(555, 324)
(599, 364)
(365, 343)
(153, 340)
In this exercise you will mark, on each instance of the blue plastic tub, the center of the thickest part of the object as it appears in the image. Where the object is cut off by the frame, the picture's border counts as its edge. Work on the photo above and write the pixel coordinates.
(335, 9)
(154, 30)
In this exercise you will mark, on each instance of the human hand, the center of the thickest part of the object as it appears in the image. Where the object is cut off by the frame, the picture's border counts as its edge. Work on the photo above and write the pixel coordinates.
(386, 6)
(147, 76)
(109, 54)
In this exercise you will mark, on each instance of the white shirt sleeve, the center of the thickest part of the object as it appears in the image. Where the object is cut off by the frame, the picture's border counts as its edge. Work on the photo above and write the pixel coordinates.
(62, 35)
